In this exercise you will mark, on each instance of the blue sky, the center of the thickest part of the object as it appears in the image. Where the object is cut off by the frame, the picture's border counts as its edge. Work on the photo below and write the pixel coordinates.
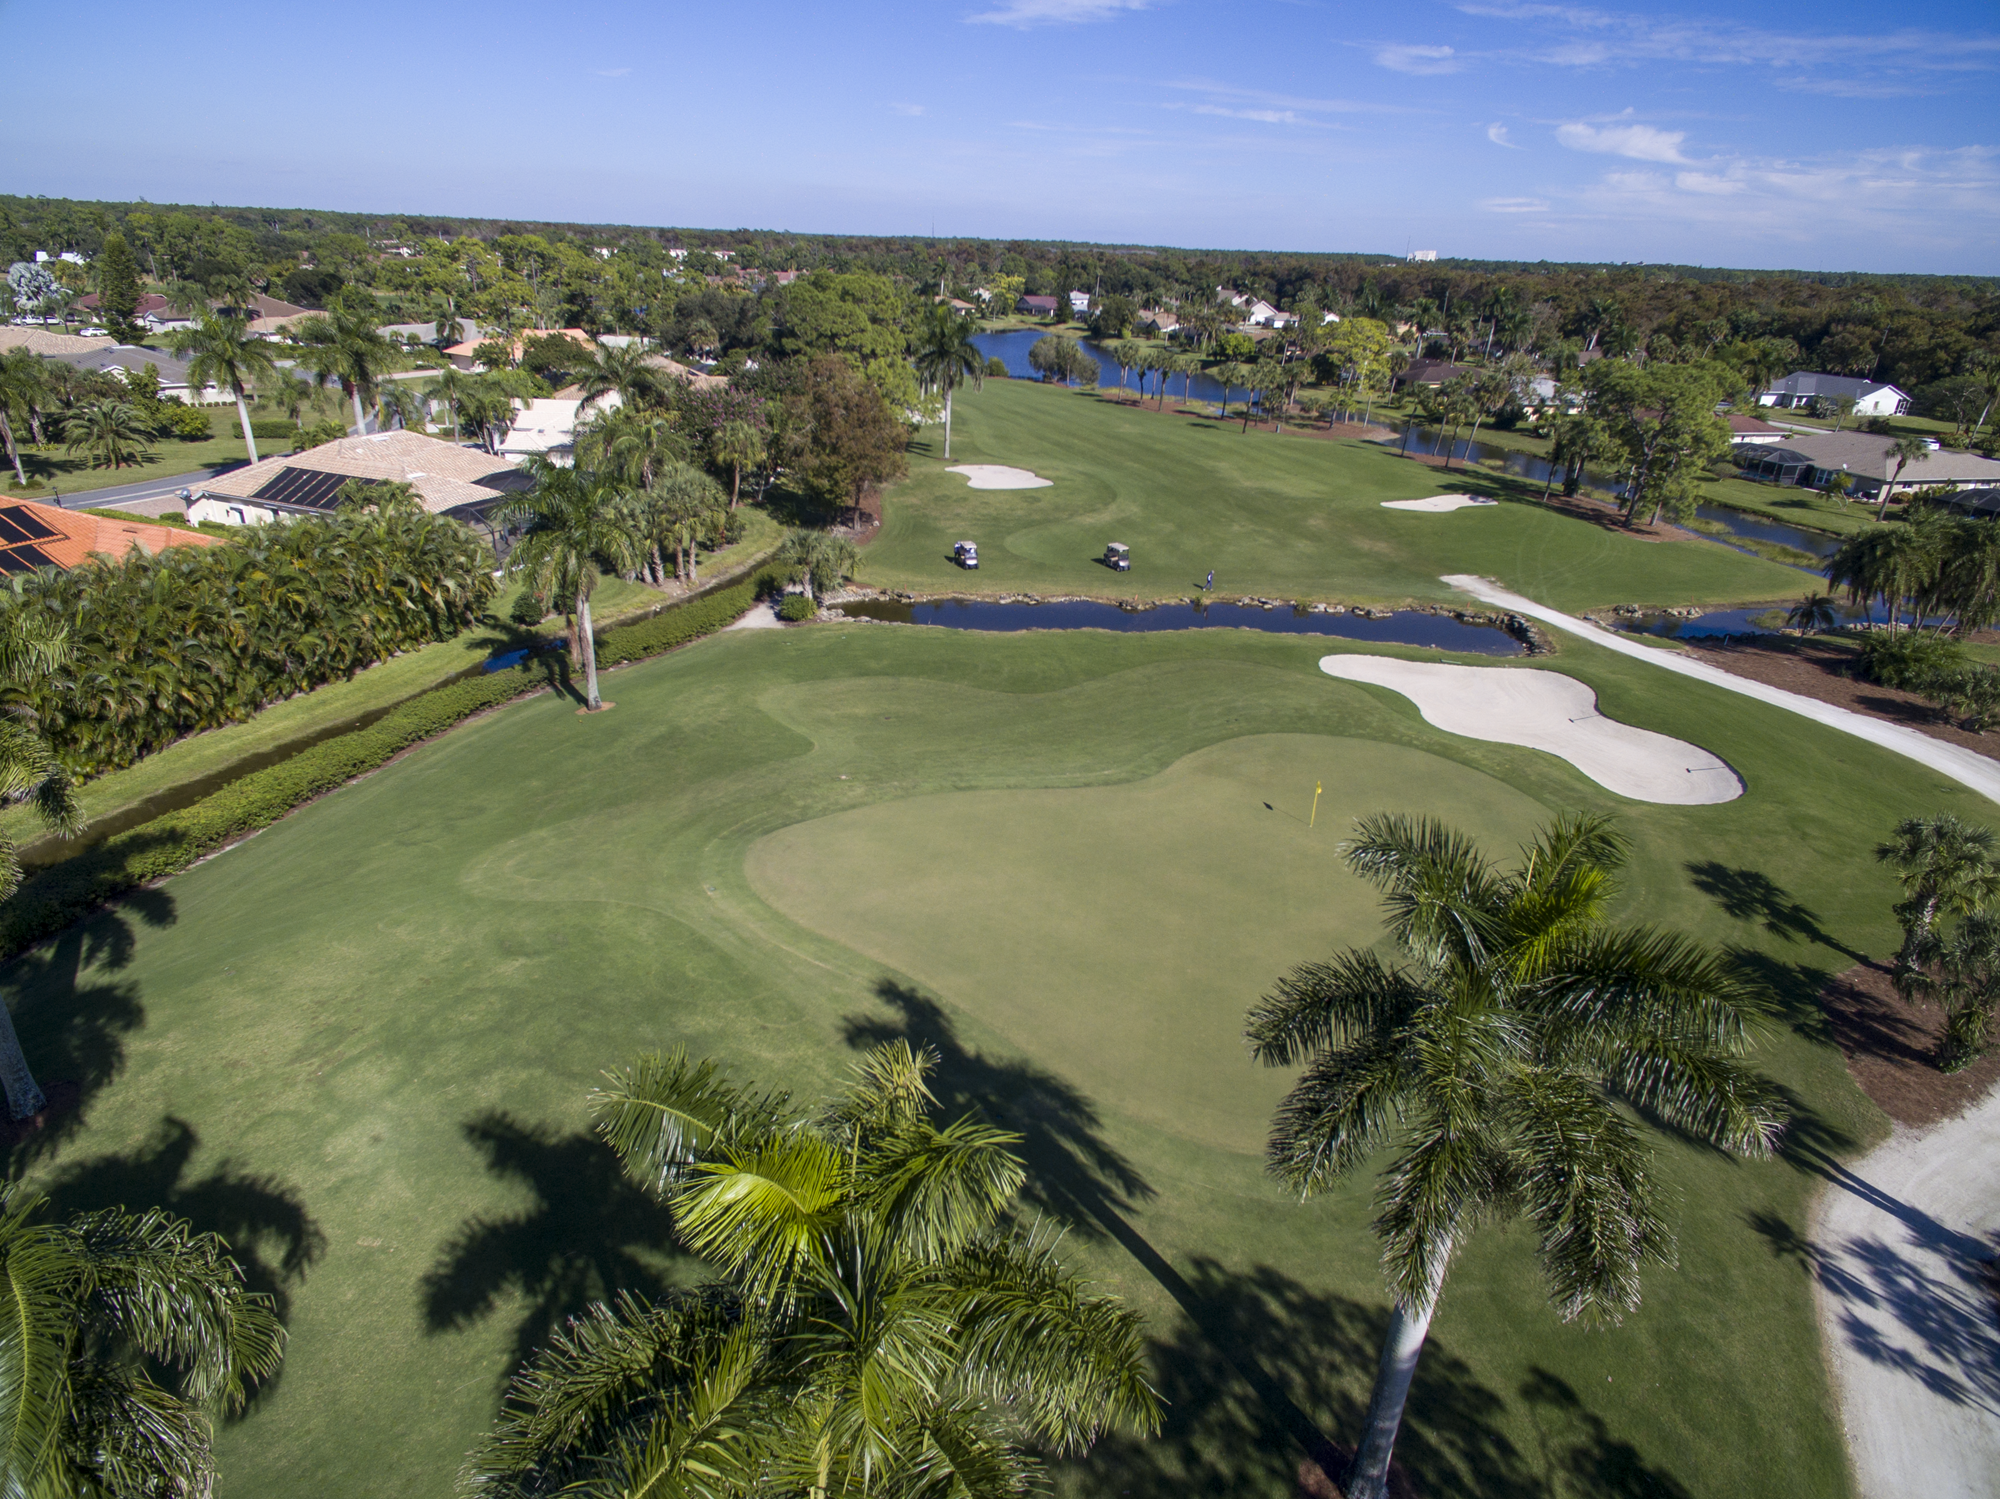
(1831, 136)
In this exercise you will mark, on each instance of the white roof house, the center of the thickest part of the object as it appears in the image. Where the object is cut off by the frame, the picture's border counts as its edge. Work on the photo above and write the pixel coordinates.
(548, 425)
(1817, 457)
(447, 478)
(1870, 397)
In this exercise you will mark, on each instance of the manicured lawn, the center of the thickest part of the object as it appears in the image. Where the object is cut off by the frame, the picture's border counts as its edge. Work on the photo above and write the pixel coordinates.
(1284, 516)
(1794, 505)
(361, 1042)
(51, 469)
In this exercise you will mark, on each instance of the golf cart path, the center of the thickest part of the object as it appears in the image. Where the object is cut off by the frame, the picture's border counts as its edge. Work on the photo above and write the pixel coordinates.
(1902, 1257)
(1962, 765)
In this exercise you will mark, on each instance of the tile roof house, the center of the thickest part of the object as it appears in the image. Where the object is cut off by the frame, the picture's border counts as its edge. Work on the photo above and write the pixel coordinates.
(448, 479)
(41, 341)
(123, 360)
(1817, 458)
(35, 536)
(1748, 429)
(1870, 397)
(466, 355)
(1036, 306)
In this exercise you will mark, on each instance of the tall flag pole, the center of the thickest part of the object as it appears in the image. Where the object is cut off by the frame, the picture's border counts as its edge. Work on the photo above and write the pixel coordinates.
(1315, 816)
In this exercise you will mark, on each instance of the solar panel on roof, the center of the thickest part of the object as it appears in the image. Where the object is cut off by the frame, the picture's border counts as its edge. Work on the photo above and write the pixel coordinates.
(24, 559)
(19, 523)
(305, 488)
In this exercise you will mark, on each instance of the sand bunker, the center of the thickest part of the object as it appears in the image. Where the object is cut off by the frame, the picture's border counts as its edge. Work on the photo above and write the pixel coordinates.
(1546, 710)
(999, 476)
(1438, 502)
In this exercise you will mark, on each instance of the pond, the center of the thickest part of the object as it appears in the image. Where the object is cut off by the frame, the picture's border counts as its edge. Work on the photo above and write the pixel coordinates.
(1756, 619)
(1011, 349)
(1405, 627)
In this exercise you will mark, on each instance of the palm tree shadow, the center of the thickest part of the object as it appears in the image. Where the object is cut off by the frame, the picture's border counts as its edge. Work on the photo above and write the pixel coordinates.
(71, 1021)
(1074, 1174)
(261, 1218)
(588, 1234)
(1751, 895)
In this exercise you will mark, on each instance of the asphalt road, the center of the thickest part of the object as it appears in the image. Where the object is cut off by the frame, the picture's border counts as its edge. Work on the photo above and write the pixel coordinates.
(151, 489)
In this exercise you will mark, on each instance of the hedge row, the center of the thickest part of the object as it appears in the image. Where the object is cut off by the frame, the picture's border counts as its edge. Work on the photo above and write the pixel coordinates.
(53, 898)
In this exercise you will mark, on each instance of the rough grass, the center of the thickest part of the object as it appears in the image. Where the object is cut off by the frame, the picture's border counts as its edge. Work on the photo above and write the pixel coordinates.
(1292, 516)
(360, 1043)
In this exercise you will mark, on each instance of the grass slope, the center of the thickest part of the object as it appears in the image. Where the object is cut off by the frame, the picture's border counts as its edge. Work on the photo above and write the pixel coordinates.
(360, 1043)
(1290, 516)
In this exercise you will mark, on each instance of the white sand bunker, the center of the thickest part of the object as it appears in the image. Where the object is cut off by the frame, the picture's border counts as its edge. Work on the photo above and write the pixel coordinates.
(999, 476)
(1438, 502)
(1546, 710)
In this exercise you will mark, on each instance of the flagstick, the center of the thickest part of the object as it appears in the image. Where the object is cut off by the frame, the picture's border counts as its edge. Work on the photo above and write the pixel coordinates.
(1315, 814)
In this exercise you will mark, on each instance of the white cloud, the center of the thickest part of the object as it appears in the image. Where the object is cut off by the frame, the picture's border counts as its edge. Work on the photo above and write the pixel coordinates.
(1423, 61)
(1267, 116)
(1514, 205)
(1498, 135)
(1640, 142)
(612, 72)
(1026, 13)
(1262, 99)
(907, 109)
(1708, 182)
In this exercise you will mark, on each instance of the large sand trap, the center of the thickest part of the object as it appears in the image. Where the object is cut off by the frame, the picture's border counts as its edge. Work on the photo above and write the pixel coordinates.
(1546, 710)
(999, 476)
(1438, 502)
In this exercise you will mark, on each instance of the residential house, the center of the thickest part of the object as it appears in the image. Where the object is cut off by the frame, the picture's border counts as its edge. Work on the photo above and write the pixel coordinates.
(1431, 372)
(426, 333)
(1036, 306)
(962, 308)
(466, 355)
(1747, 429)
(547, 425)
(1801, 389)
(1984, 503)
(465, 483)
(34, 536)
(42, 341)
(1152, 320)
(1816, 459)
(1423, 256)
(143, 310)
(1079, 304)
(122, 361)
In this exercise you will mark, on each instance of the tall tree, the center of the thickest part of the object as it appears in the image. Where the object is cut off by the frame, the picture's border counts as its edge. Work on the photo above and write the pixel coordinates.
(574, 519)
(341, 346)
(1905, 450)
(876, 1327)
(849, 438)
(946, 358)
(1493, 1060)
(220, 350)
(738, 445)
(631, 371)
(1948, 867)
(120, 1334)
(22, 384)
(117, 287)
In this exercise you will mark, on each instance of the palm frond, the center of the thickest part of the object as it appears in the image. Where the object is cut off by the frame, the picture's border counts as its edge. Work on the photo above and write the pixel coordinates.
(1441, 1187)
(1341, 1110)
(1695, 1089)
(133, 1437)
(1318, 1005)
(962, 1456)
(662, 1113)
(1618, 987)
(1442, 894)
(935, 1190)
(890, 1087)
(38, 1315)
(765, 1214)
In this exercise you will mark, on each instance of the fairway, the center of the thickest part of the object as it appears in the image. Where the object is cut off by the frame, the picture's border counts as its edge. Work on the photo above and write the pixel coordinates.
(360, 1043)
(1289, 516)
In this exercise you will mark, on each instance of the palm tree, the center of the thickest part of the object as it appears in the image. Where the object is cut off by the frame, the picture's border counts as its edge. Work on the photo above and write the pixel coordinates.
(630, 371)
(946, 358)
(404, 407)
(1235, 372)
(1904, 450)
(738, 445)
(1948, 867)
(21, 383)
(1968, 987)
(110, 431)
(220, 351)
(684, 505)
(1813, 613)
(632, 442)
(574, 517)
(1493, 1061)
(823, 561)
(1895, 565)
(876, 1328)
(342, 346)
(120, 1333)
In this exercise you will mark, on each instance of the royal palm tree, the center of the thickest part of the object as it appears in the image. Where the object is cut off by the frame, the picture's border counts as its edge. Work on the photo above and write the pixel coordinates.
(110, 431)
(575, 519)
(22, 383)
(1492, 1061)
(449, 391)
(946, 358)
(342, 347)
(1947, 867)
(683, 505)
(877, 1328)
(220, 351)
(738, 445)
(1813, 613)
(633, 373)
(1904, 450)
(120, 1334)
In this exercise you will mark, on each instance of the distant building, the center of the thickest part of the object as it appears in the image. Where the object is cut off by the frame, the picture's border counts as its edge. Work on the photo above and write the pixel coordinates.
(1817, 459)
(1870, 397)
(1747, 429)
(1079, 303)
(123, 361)
(1425, 255)
(1037, 306)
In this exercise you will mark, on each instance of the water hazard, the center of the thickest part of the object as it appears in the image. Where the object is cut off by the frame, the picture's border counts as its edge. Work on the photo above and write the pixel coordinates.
(1011, 349)
(1405, 627)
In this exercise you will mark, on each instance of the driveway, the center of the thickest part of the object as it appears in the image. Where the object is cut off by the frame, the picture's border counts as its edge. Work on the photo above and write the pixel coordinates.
(1903, 1260)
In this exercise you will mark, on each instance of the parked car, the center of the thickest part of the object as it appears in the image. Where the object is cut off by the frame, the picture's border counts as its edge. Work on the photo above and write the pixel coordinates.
(1118, 557)
(966, 555)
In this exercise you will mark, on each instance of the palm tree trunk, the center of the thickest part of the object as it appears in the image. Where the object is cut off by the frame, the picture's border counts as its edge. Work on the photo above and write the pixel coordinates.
(736, 469)
(13, 452)
(243, 416)
(360, 421)
(590, 698)
(23, 1096)
(1401, 1347)
(947, 433)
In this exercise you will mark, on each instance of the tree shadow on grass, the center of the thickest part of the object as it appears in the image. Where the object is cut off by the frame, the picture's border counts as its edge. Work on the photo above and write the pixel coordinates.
(588, 1234)
(72, 1020)
(1751, 895)
(1074, 1174)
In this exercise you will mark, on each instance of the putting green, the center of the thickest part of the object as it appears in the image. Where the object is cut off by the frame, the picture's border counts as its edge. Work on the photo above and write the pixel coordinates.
(1117, 924)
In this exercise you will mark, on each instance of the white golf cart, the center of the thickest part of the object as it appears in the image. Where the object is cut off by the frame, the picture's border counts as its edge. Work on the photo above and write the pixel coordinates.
(1118, 557)
(966, 555)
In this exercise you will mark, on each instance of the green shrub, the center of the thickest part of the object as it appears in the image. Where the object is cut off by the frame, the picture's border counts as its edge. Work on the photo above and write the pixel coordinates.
(796, 607)
(1969, 693)
(1907, 659)
(317, 433)
(184, 422)
(273, 430)
(528, 609)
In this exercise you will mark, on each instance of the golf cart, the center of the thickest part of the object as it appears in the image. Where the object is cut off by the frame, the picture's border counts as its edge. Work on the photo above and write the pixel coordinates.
(1118, 557)
(966, 555)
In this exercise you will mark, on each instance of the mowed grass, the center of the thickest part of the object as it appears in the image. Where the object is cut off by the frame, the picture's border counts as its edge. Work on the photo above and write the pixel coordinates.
(1288, 516)
(360, 1044)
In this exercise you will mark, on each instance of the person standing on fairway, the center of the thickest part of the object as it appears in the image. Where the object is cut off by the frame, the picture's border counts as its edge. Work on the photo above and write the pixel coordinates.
(1211, 580)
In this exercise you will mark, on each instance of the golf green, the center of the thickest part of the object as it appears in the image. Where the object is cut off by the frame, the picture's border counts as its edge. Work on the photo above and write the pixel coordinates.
(361, 1043)
(1287, 516)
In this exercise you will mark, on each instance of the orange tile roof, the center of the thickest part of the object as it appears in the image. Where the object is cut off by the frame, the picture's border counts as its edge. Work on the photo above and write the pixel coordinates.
(34, 536)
